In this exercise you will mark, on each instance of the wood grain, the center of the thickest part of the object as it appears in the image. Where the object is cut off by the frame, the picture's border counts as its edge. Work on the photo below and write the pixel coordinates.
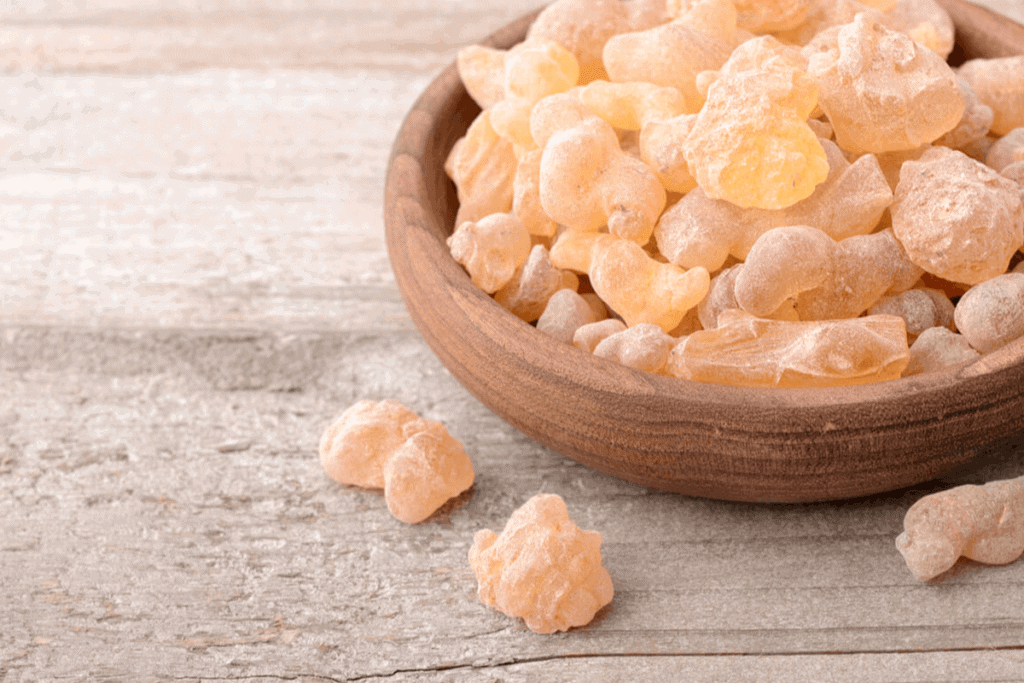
(171, 357)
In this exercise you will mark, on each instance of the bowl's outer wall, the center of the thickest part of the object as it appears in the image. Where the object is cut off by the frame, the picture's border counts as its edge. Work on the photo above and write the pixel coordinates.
(778, 445)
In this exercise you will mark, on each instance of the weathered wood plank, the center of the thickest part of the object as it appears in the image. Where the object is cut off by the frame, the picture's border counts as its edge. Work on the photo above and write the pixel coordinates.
(163, 509)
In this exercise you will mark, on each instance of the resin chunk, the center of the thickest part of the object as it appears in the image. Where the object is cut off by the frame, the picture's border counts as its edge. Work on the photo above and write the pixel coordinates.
(881, 90)
(643, 347)
(491, 249)
(482, 165)
(957, 218)
(700, 231)
(983, 523)
(642, 290)
(386, 445)
(425, 472)
(587, 181)
(991, 313)
(531, 286)
(937, 348)
(356, 445)
(542, 567)
(590, 335)
(565, 313)
(748, 351)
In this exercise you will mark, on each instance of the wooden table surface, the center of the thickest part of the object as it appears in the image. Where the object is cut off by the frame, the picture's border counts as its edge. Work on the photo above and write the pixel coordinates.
(193, 283)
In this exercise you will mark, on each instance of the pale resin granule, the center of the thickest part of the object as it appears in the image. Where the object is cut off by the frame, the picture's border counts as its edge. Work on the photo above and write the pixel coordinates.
(542, 567)
(386, 445)
(982, 523)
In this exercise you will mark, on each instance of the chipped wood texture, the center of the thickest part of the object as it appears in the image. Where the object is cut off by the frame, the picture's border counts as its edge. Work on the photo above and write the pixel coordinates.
(193, 282)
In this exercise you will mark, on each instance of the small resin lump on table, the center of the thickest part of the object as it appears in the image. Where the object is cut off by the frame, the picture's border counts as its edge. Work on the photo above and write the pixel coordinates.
(542, 567)
(384, 445)
(777, 194)
(982, 523)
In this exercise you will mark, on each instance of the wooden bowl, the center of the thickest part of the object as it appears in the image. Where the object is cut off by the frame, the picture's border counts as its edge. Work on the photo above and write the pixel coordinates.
(698, 439)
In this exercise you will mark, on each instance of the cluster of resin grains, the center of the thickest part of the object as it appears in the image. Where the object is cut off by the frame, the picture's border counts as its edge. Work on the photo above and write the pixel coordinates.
(795, 193)
(547, 571)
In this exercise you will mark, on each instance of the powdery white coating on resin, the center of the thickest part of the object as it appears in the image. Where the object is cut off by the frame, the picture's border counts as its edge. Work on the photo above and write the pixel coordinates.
(982, 523)
(542, 568)
(386, 445)
(956, 217)
(920, 309)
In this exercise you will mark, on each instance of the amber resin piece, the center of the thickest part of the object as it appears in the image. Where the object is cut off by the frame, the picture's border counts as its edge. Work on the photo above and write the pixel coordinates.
(937, 348)
(584, 26)
(823, 15)
(671, 54)
(991, 313)
(957, 218)
(482, 165)
(590, 335)
(751, 144)
(639, 288)
(491, 249)
(425, 472)
(386, 445)
(482, 70)
(542, 567)
(642, 347)
(587, 181)
(531, 286)
(356, 445)
(566, 312)
(999, 83)
(748, 351)
(982, 523)
(881, 90)
(700, 231)
(920, 309)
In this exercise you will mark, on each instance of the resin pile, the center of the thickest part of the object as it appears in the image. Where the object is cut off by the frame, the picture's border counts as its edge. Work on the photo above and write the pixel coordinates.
(792, 193)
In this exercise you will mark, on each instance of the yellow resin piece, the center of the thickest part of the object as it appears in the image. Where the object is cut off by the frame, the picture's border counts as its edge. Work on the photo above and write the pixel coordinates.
(982, 523)
(999, 83)
(957, 218)
(587, 181)
(882, 91)
(923, 21)
(700, 231)
(937, 348)
(482, 165)
(641, 347)
(639, 288)
(768, 16)
(751, 144)
(526, 196)
(542, 567)
(672, 54)
(753, 352)
(974, 124)
(584, 26)
(573, 249)
(491, 249)
(482, 70)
